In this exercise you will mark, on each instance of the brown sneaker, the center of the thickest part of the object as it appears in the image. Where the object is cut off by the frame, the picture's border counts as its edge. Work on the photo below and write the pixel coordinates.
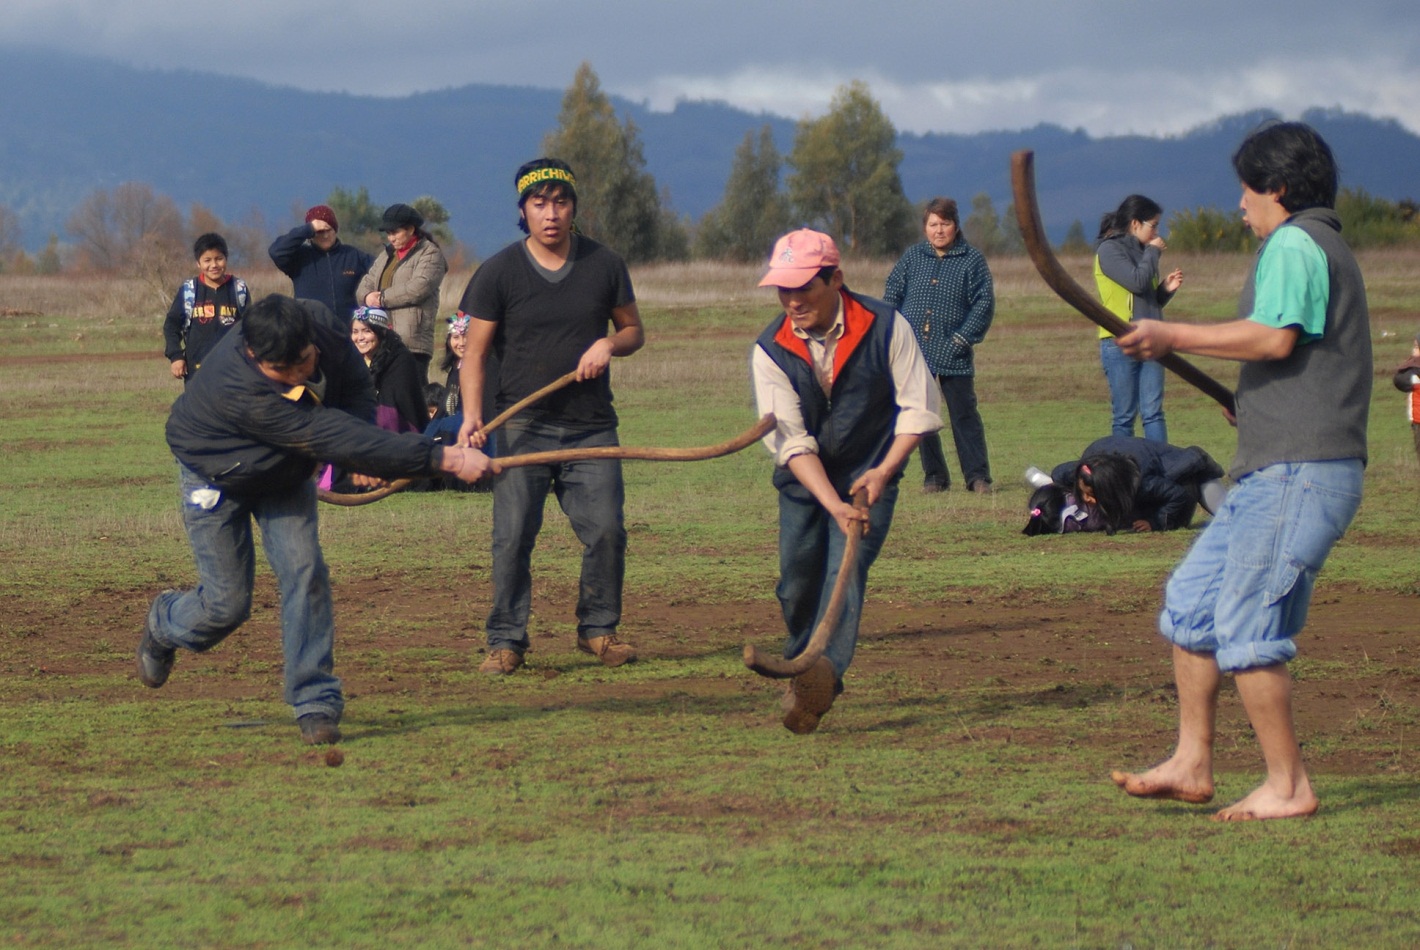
(501, 662)
(981, 487)
(813, 694)
(608, 649)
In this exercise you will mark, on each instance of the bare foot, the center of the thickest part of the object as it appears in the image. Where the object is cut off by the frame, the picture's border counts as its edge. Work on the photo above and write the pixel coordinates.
(1166, 781)
(1266, 802)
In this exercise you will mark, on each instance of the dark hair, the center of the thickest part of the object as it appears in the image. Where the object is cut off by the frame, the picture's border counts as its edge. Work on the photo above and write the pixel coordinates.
(1047, 505)
(277, 330)
(1114, 481)
(434, 394)
(1131, 209)
(450, 359)
(552, 188)
(1291, 158)
(944, 208)
(211, 241)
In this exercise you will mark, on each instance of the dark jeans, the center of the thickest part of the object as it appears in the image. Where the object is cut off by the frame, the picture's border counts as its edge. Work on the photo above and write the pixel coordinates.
(810, 552)
(592, 495)
(959, 393)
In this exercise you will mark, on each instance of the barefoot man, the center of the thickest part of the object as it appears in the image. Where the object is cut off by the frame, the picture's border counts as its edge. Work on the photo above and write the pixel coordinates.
(1241, 593)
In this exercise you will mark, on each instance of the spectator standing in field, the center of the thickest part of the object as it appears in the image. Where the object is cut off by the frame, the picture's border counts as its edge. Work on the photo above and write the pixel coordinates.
(851, 396)
(1407, 380)
(320, 266)
(1241, 594)
(944, 289)
(1123, 482)
(1127, 276)
(204, 308)
(285, 389)
(549, 304)
(404, 282)
(399, 395)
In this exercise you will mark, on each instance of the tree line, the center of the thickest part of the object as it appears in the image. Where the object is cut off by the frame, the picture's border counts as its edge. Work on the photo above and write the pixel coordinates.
(841, 176)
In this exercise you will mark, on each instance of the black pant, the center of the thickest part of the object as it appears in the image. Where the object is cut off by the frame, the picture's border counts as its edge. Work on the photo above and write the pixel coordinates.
(959, 393)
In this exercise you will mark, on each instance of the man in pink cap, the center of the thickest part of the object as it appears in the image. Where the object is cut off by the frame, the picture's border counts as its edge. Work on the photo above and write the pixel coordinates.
(852, 397)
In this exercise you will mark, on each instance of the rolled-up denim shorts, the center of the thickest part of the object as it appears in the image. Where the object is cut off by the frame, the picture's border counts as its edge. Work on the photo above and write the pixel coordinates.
(1243, 590)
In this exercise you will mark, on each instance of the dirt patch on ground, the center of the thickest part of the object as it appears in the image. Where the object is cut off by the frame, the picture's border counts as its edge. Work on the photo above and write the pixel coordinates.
(1358, 674)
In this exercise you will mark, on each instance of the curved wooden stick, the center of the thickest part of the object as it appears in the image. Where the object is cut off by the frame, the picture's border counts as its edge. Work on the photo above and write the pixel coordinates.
(745, 439)
(776, 667)
(399, 484)
(1060, 281)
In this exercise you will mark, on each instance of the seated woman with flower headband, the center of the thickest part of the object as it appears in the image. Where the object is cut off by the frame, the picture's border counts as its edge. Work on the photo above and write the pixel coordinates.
(1124, 482)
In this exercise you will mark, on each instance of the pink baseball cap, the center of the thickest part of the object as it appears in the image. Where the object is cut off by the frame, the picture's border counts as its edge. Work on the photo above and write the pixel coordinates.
(798, 256)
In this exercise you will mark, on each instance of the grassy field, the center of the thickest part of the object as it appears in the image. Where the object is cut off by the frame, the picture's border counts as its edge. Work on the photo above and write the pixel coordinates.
(956, 796)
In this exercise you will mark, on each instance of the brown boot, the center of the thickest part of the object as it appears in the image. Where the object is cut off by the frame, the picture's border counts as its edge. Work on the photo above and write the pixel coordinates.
(813, 694)
(608, 649)
(501, 662)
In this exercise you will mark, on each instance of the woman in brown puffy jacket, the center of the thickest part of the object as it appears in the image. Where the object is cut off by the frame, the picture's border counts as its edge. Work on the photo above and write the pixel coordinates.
(404, 281)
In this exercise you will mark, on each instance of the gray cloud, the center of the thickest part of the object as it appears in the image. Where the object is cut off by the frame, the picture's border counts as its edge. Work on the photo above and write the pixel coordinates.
(1108, 66)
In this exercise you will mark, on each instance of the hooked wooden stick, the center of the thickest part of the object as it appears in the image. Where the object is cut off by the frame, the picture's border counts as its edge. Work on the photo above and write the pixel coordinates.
(776, 667)
(1060, 281)
(745, 439)
(365, 498)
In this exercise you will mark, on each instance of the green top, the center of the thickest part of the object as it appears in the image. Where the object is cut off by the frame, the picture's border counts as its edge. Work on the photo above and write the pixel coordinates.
(1293, 284)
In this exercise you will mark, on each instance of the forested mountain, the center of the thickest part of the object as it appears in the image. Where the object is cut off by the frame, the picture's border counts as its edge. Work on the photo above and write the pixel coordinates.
(73, 124)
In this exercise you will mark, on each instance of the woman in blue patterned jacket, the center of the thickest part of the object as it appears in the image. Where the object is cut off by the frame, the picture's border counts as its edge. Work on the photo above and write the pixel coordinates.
(943, 288)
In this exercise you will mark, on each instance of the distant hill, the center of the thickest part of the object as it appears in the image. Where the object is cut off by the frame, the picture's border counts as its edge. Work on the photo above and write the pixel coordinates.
(74, 124)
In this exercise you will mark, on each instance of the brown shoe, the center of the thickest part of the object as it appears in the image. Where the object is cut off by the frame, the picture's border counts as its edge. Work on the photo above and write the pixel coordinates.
(813, 694)
(981, 487)
(501, 662)
(608, 649)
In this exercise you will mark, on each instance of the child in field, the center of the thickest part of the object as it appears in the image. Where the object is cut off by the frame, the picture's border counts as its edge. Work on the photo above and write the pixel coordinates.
(204, 308)
(1124, 482)
(1407, 380)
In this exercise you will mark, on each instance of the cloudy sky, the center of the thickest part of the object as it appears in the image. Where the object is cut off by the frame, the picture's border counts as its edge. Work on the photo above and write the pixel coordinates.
(1108, 66)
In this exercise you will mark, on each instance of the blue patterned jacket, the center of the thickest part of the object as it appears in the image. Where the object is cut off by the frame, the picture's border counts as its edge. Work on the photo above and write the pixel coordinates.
(949, 302)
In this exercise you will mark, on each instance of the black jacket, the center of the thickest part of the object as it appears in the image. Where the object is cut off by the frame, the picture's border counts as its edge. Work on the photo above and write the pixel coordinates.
(328, 276)
(245, 433)
(1168, 477)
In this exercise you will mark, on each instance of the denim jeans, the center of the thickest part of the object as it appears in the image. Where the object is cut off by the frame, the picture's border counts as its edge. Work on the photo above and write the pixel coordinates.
(1136, 388)
(592, 495)
(221, 537)
(1243, 591)
(810, 553)
(959, 394)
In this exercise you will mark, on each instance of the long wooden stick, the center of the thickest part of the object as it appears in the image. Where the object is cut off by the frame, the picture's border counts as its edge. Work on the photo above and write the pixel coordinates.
(557, 456)
(399, 484)
(776, 667)
(1060, 281)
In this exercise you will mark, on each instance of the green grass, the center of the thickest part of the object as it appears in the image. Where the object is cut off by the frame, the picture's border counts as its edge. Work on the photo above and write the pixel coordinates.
(659, 805)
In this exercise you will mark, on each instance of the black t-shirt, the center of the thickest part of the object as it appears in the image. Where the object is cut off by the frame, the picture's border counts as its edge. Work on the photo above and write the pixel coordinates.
(545, 327)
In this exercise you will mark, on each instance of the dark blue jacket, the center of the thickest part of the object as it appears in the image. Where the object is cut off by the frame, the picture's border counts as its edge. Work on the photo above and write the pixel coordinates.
(328, 276)
(245, 433)
(854, 424)
(1168, 477)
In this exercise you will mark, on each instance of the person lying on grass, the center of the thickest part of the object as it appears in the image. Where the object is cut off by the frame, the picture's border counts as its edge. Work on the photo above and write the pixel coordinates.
(1125, 482)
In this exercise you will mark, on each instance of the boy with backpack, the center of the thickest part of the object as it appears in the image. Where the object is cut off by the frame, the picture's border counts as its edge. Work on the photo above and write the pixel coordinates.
(204, 308)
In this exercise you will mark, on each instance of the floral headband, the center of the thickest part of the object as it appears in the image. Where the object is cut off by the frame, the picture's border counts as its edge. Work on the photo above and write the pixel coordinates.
(458, 324)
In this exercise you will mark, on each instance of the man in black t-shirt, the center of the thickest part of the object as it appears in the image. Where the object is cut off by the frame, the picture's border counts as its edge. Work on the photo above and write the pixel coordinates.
(543, 306)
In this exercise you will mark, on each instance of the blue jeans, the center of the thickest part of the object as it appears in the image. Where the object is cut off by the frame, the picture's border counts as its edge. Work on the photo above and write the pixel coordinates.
(592, 495)
(1136, 388)
(810, 553)
(959, 393)
(221, 537)
(1243, 590)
